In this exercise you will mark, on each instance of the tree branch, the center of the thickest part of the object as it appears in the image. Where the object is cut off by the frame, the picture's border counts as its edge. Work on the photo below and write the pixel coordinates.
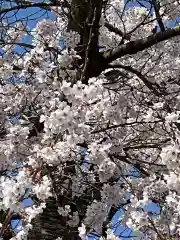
(158, 16)
(140, 44)
(24, 45)
(126, 159)
(116, 30)
(44, 5)
(151, 86)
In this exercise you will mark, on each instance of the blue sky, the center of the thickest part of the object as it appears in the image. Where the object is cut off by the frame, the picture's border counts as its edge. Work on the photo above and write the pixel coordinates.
(30, 16)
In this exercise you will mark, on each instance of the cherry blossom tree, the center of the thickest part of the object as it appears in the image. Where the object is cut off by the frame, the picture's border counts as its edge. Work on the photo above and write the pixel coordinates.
(91, 128)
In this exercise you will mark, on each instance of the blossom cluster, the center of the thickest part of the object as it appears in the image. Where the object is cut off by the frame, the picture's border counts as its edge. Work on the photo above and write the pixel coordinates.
(109, 144)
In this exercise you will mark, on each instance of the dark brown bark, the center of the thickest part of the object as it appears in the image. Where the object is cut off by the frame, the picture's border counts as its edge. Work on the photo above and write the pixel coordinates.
(85, 17)
(138, 45)
(50, 225)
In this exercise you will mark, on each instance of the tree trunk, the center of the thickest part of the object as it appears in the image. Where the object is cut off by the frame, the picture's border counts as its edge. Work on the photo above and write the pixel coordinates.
(85, 16)
(50, 225)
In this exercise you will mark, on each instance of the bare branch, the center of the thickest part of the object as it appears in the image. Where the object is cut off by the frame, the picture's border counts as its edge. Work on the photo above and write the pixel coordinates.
(158, 16)
(153, 87)
(26, 4)
(140, 44)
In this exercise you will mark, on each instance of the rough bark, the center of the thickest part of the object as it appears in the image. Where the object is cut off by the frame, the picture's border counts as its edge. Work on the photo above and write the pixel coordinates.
(50, 225)
(85, 17)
